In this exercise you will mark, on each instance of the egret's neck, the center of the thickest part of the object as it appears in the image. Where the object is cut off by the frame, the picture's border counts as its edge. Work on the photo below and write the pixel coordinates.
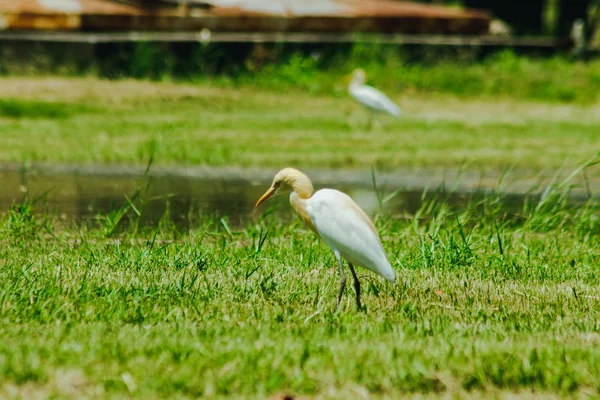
(297, 202)
(301, 185)
(299, 205)
(302, 190)
(355, 82)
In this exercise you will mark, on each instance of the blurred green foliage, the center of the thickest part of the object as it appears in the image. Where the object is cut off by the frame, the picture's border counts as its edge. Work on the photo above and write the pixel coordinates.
(318, 69)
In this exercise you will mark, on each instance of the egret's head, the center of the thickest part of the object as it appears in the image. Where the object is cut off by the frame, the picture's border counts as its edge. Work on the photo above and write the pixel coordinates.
(359, 76)
(289, 178)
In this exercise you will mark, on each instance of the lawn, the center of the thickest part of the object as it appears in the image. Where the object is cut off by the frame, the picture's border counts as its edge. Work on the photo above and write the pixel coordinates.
(88, 120)
(492, 298)
(487, 303)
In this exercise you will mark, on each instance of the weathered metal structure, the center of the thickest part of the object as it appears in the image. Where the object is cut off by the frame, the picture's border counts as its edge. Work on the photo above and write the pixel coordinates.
(326, 16)
(263, 21)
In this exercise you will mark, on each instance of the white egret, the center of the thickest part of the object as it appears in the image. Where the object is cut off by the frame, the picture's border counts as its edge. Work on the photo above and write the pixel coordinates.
(342, 224)
(370, 97)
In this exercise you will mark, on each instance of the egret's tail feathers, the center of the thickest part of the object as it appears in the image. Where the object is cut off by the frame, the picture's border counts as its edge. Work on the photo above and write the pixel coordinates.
(391, 278)
(394, 111)
(387, 272)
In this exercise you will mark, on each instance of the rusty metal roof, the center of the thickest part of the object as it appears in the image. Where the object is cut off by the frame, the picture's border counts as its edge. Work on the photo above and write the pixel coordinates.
(384, 16)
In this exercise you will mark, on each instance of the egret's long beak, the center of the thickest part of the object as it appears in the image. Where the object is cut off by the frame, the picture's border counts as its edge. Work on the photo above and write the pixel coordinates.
(265, 196)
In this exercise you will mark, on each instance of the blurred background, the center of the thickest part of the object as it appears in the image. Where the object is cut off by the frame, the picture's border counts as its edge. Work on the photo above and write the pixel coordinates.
(207, 99)
(190, 37)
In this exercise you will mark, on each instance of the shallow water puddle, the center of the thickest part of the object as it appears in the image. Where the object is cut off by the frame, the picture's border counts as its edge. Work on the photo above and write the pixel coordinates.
(81, 197)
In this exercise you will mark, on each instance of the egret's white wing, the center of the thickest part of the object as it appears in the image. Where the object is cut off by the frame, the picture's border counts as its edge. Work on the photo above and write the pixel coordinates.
(374, 99)
(347, 229)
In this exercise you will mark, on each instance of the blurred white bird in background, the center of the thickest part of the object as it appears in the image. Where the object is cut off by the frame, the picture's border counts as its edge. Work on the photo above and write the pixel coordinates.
(342, 224)
(370, 97)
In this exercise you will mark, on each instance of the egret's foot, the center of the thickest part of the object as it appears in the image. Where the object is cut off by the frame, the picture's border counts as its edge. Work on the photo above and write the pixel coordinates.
(359, 306)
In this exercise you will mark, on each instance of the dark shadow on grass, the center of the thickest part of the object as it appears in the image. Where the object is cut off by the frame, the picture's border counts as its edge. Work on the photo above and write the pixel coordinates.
(13, 108)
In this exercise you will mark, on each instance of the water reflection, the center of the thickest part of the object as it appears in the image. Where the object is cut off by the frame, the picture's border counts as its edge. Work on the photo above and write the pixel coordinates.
(83, 197)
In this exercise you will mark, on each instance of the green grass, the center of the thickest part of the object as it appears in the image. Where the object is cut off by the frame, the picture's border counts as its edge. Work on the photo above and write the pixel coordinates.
(554, 79)
(487, 303)
(75, 120)
(464, 72)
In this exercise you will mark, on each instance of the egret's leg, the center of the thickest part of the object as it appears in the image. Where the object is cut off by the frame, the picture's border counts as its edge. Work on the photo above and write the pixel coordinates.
(342, 281)
(370, 123)
(377, 125)
(356, 286)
